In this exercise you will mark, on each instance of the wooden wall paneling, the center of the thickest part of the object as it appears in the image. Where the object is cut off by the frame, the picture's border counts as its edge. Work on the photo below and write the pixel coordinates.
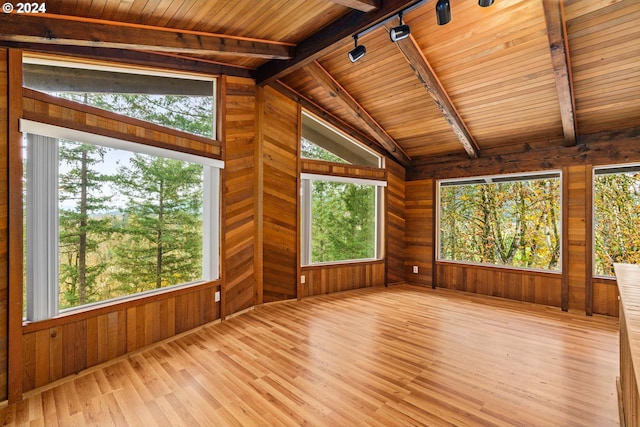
(588, 264)
(221, 133)
(520, 285)
(607, 148)
(577, 204)
(328, 279)
(419, 232)
(564, 248)
(279, 147)
(258, 251)
(239, 194)
(66, 348)
(12, 222)
(339, 169)
(4, 224)
(605, 296)
(395, 223)
(49, 109)
(434, 228)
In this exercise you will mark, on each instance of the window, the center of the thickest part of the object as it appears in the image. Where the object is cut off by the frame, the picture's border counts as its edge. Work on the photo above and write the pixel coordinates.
(107, 219)
(340, 219)
(508, 221)
(183, 102)
(321, 142)
(616, 214)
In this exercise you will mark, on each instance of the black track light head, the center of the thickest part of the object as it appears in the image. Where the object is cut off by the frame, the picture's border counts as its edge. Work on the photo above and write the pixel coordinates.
(400, 32)
(485, 3)
(357, 52)
(443, 12)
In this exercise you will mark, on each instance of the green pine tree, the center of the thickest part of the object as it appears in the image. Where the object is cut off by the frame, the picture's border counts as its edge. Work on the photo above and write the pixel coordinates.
(81, 230)
(161, 238)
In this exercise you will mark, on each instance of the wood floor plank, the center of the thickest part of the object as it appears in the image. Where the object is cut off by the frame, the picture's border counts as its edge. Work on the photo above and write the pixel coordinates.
(397, 356)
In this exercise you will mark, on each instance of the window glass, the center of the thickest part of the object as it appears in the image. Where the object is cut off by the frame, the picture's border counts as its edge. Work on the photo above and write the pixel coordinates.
(125, 223)
(340, 220)
(321, 142)
(616, 228)
(508, 221)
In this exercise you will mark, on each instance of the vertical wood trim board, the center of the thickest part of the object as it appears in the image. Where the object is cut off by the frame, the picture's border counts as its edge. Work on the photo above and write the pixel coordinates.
(419, 231)
(221, 113)
(14, 215)
(239, 194)
(4, 225)
(588, 176)
(564, 248)
(279, 123)
(576, 226)
(299, 287)
(395, 223)
(258, 206)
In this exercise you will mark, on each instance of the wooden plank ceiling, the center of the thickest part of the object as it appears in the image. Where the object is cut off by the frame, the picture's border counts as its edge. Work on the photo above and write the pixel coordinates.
(518, 76)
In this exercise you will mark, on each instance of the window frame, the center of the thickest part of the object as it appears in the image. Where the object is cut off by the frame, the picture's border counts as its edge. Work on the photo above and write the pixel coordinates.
(41, 309)
(594, 173)
(498, 179)
(306, 217)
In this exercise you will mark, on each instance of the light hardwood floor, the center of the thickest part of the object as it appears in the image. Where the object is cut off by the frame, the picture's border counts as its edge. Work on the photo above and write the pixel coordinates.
(399, 356)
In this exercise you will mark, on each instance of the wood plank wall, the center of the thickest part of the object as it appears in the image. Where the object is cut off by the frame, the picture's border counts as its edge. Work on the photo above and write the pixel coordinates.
(577, 180)
(279, 120)
(395, 223)
(584, 292)
(327, 279)
(605, 297)
(4, 225)
(535, 287)
(56, 348)
(419, 237)
(48, 109)
(240, 194)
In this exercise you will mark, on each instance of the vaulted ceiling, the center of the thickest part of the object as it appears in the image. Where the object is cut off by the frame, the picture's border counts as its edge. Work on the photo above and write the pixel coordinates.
(518, 76)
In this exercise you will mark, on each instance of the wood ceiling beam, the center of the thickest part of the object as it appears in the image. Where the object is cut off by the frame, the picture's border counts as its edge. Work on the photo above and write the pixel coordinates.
(133, 57)
(334, 121)
(558, 44)
(328, 38)
(72, 31)
(335, 90)
(361, 5)
(604, 148)
(429, 80)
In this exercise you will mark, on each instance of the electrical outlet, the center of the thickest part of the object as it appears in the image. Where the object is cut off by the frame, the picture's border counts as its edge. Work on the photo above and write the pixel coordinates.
(415, 269)
(303, 279)
(216, 297)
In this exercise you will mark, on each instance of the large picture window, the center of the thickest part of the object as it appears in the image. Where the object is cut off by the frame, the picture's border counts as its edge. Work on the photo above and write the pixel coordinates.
(512, 221)
(107, 219)
(616, 225)
(115, 219)
(340, 219)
